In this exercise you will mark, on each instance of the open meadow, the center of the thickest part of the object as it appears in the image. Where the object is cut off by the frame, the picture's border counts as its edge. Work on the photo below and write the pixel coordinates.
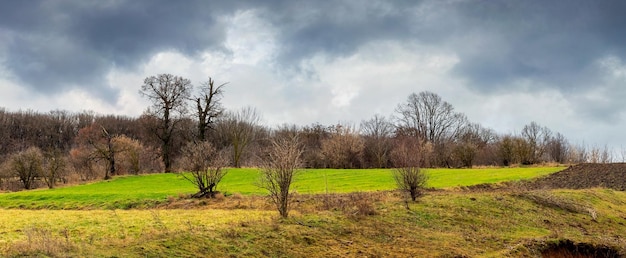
(149, 216)
(146, 191)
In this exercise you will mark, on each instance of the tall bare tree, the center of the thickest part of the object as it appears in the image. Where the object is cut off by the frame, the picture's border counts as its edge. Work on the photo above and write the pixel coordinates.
(430, 117)
(377, 133)
(54, 167)
(168, 94)
(208, 106)
(427, 117)
(26, 165)
(557, 148)
(279, 169)
(102, 145)
(240, 130)
(471, 139)
(537, 138)
(344, 147)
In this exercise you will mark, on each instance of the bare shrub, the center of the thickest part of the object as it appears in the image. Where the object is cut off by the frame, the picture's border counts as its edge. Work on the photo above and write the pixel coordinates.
(411, 180)
(205, 165)
(354, 205)
(279, 169)
(408, 176)
(42, 242)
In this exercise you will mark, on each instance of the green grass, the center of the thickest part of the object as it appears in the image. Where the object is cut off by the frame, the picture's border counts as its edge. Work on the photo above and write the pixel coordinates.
(147, 190)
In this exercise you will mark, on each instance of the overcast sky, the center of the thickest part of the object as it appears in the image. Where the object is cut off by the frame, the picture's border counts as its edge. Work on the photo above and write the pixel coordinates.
(502, 63)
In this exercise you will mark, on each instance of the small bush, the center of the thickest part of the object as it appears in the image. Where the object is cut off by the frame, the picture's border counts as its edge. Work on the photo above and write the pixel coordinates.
(411, 180)
(42, 242)
(219, 196)
(354, 205)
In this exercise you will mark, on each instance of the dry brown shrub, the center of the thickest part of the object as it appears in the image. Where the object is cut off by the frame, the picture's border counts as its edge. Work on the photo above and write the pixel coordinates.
(237, 196)
(219, 197)
(354, 205)
(41, 242)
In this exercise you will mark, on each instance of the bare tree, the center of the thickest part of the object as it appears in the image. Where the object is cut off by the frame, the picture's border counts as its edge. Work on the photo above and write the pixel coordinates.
(102, 146)
(83, 163)
(279, 169)
(344, 147)
(429, 118)
(600, 155)
(377, 132)
(537, 138)
(557, 148)
(205, 166)
(208, 106)
(26, 165)
(131, 161)
(432, 118)
(54, 167)
(167, 93)
(506, 150)
(578, 153)
(470, 141)
(312, 137)
(240, 130)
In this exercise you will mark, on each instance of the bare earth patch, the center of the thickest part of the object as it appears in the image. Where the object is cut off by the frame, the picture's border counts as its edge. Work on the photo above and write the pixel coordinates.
(584, 176)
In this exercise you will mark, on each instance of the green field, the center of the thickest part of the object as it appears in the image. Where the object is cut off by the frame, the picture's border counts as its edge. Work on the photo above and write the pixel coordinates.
(143, 216)
(148, 190)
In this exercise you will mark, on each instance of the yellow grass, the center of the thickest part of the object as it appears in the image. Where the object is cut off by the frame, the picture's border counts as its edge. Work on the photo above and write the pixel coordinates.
(441, 224)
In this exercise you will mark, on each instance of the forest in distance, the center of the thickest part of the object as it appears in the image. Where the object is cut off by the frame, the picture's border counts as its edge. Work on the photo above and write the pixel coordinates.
(59, 146)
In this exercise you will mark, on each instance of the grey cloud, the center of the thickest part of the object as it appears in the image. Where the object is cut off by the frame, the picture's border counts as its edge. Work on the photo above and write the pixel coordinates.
(555, 42)
(335, 28)
(497, 42)
(56, 45)
(53, 44)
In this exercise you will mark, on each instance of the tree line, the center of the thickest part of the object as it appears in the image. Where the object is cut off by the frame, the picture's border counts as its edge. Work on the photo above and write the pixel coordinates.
(183, 120)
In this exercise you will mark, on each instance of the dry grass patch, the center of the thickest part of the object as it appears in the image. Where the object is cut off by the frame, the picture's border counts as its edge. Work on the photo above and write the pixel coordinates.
(375, 224)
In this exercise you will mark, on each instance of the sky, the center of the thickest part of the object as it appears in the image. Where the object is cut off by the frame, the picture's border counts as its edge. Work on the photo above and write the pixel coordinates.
(502, 63)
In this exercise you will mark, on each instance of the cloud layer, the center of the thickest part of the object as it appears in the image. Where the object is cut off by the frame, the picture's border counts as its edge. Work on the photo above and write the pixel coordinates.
(503, 63)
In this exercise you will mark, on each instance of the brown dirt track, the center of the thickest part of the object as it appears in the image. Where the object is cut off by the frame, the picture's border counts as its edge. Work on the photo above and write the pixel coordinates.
(585, 176)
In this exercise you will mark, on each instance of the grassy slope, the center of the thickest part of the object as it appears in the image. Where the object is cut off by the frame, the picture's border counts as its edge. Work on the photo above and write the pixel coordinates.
(444, 224)
(145, 191)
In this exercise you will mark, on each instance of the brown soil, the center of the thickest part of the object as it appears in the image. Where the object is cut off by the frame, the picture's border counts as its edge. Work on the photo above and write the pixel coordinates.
(568, 249)
(586, 176)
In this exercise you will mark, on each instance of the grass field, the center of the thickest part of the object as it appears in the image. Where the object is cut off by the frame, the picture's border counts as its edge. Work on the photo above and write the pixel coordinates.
(441, 224)
(120, 218)
(148, 190)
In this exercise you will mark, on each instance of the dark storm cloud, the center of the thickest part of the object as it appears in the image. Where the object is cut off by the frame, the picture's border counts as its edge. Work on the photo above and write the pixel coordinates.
(53, 44)
(336, 28)
(497, 42)
(56, 44)
(500, 45)
(554, 42)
